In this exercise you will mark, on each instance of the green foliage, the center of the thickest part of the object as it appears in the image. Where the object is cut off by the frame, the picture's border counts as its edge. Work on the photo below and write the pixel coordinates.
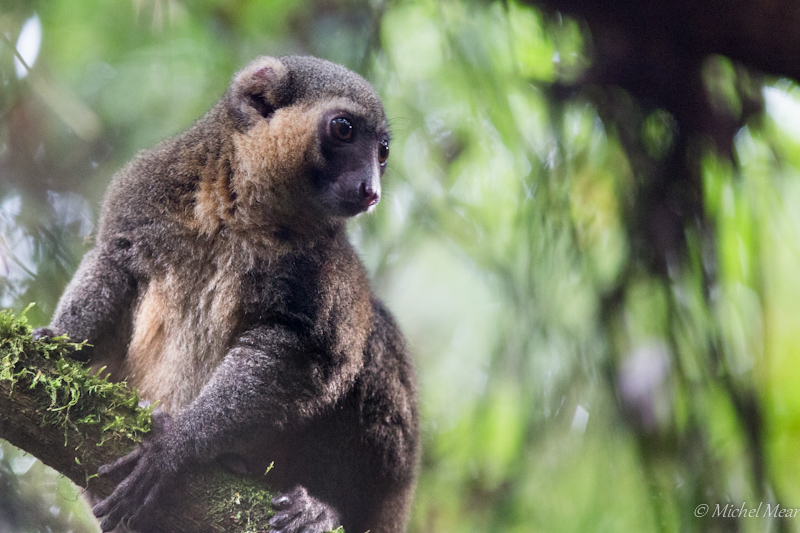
(503, 244)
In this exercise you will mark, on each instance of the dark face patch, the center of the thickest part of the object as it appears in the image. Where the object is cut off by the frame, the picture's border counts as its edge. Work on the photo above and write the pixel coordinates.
(353, 151)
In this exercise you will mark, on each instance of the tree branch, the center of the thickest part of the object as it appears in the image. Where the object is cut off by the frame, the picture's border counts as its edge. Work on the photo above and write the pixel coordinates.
(74, 422)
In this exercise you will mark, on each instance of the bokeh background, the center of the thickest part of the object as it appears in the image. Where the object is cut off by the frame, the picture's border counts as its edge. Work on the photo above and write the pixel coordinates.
(597, 349)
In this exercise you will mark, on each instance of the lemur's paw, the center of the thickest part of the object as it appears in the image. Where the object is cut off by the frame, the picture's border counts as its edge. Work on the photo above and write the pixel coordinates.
(297, 512)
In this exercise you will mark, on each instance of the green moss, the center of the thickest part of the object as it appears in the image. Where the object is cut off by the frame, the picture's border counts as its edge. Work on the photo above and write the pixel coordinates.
(245, 500)
(74, 397)
(249, 504)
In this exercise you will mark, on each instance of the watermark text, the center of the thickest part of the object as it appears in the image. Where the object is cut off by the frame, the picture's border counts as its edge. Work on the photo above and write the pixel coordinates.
(731, 510)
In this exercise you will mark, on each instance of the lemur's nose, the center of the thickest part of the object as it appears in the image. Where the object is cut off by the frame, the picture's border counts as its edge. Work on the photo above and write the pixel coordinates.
(369, 195)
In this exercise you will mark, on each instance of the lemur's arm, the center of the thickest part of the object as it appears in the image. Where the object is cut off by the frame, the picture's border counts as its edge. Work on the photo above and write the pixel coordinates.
(93, 303)
(270, 380)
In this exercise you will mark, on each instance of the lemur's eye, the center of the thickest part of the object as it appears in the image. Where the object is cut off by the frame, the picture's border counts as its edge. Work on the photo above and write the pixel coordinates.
(341, 129)
(383, 152)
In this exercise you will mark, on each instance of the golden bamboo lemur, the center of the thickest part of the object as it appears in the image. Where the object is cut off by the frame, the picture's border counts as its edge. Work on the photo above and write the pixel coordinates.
(222, 285)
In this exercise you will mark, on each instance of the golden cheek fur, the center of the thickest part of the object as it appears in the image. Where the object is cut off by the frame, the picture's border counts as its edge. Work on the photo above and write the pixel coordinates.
(272, 159)
(213, 201)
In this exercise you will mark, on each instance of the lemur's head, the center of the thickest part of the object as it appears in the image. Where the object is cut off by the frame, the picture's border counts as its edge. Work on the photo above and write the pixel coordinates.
(311, 140)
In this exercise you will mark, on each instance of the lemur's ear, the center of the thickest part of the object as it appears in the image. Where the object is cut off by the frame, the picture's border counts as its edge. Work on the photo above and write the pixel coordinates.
(257, 85)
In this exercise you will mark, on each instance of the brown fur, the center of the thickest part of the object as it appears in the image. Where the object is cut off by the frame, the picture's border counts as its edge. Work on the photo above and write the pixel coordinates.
(180, 315)
(224, 288)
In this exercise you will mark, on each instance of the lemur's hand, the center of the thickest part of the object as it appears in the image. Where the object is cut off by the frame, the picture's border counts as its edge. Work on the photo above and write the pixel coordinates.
(147, 474)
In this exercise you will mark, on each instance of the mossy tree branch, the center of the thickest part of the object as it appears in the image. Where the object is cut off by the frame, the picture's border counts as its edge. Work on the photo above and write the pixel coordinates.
(74, 422)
